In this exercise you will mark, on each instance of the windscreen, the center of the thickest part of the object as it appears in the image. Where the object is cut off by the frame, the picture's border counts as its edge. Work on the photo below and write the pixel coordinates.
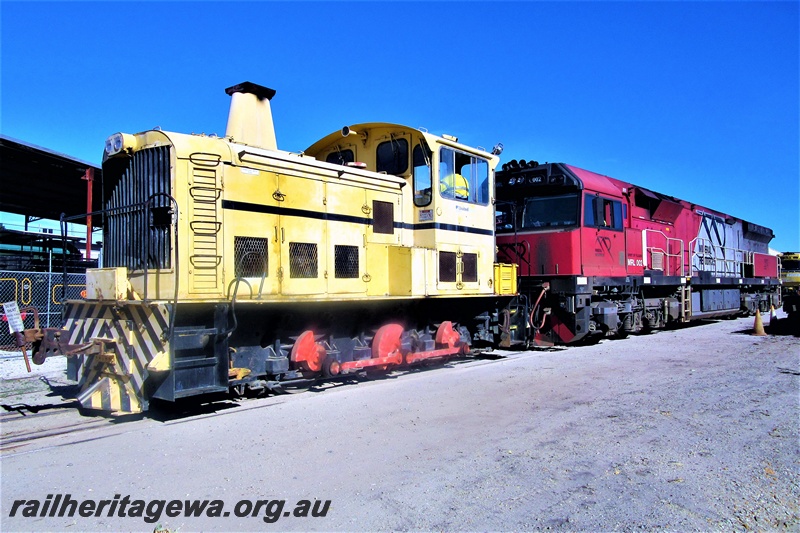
(551, 212)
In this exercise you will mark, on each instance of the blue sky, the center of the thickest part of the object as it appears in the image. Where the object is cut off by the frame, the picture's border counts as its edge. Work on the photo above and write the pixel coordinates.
(695, 100)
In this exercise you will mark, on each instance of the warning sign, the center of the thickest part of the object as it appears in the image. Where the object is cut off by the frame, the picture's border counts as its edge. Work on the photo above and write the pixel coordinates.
(13, 317)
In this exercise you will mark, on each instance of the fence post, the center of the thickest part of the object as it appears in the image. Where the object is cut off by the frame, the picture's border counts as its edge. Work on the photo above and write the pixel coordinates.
(49, 284)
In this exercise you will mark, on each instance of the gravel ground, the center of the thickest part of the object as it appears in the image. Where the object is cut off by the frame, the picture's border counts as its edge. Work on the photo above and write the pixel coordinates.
(45, 382)
(691, 429)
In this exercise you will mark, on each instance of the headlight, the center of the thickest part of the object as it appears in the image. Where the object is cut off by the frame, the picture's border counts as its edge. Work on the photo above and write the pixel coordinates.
(119, 142)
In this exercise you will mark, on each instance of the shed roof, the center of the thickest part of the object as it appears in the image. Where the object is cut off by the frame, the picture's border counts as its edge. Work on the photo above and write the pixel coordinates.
(41, 183)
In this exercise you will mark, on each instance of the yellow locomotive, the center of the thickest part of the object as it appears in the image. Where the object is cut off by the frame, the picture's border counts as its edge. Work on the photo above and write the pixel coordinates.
(232, 265)
(790, 279)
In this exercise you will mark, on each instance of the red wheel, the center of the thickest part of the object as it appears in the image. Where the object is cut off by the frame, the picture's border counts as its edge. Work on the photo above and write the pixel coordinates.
(386, 342)
(307, 354)
(446, 335)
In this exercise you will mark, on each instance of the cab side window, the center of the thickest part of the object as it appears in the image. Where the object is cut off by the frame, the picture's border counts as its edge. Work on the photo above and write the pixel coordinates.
(599, 212)
(422, 176)
(463, 177)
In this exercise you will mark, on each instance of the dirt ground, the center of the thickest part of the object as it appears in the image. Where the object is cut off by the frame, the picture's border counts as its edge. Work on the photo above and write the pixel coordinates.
(691, 429)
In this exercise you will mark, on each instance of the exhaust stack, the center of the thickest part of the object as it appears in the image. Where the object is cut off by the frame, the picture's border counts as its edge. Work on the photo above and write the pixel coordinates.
(250, 117)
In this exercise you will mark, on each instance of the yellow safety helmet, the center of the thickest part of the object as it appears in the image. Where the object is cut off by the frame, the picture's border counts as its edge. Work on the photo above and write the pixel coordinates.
(455, 185)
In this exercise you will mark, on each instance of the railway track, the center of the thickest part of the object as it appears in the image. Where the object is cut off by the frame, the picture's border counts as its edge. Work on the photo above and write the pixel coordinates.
(25, 426)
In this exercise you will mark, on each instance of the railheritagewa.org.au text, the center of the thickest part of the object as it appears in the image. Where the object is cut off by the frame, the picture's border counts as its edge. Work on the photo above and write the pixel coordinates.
(152, 511)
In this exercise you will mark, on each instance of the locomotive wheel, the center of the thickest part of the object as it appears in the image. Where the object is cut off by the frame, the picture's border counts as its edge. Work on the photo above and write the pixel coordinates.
(446, 335)
(386, 343)
(330, 368)
(307, 354)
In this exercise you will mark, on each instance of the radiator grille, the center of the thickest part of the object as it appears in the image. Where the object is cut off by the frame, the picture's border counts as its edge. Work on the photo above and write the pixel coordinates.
(129, 226)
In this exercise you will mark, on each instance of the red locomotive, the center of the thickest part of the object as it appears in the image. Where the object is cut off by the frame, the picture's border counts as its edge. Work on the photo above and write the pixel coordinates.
(599, 257)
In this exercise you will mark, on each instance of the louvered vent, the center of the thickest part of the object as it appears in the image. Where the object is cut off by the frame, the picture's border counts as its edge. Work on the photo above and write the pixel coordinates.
(129, 227)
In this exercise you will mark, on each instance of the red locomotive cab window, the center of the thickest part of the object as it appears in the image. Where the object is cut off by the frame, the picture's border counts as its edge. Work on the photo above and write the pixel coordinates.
(547, 212)
(599, 212)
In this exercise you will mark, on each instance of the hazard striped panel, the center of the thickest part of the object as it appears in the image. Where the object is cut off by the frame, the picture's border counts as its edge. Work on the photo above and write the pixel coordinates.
(132, 335)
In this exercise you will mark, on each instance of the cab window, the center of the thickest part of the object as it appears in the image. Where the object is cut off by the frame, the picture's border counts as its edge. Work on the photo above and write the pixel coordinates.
(392, 157)
(599, 212)
(463, 177)
(549, 212)
(422, 176)
(341, 157)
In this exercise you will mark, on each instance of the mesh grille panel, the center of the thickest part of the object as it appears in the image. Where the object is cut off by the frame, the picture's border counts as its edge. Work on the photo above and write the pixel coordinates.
(383, 217)
(346, 261)
(250, 255)
(303, 261)
(470, 268)
(447, 266)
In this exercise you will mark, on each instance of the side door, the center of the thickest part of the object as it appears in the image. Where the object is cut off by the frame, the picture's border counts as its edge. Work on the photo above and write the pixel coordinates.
(254, 251)
(464, 220)
(347, 228)
(302, 235)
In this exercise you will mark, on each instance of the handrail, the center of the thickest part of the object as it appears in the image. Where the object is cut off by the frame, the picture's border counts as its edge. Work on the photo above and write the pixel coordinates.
(514, 247)
(680, 268)
(723, 265)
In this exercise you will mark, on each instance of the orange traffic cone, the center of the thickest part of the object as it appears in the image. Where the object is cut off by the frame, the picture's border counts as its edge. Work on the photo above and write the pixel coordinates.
(772, 313)
(758, 325)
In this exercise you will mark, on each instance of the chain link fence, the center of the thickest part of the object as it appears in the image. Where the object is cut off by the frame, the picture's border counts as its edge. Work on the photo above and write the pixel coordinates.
(42, 290)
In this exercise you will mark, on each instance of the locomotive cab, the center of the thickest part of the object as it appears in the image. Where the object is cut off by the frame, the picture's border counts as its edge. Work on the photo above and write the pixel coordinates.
(558, 220)
(451, 210)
